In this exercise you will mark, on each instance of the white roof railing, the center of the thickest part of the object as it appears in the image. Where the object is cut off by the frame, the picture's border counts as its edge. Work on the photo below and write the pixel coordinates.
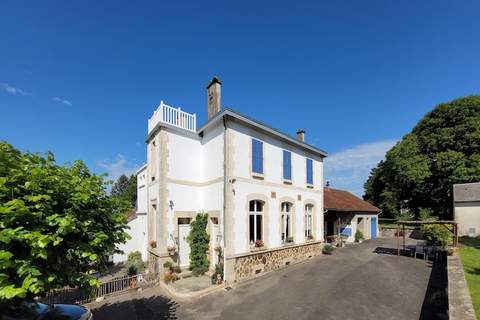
(174, 117)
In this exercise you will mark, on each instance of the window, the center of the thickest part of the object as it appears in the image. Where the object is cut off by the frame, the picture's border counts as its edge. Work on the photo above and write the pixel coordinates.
(255, 221)
(309, 171)
(286, 222)
(287, 165)
(308, 221)
(257, 156)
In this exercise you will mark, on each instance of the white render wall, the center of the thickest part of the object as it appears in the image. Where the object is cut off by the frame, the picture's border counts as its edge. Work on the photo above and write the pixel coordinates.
(273, 182)
(138, 241)
(467, 215)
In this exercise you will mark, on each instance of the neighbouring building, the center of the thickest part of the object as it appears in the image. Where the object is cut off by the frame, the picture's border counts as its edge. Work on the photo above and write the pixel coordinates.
(262, 190)
(137, 222)
(466, 208)
(346, 213)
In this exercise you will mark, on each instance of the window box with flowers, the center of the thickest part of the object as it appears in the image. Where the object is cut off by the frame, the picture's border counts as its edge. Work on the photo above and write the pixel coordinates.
(258, 246)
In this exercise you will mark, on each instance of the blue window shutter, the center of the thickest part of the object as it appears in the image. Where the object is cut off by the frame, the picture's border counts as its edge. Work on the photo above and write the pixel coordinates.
(257, 156)
(287, 165)
(309, 171)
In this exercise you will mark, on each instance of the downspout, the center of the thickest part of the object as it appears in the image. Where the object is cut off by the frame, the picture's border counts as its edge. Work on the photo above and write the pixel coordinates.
(225, 181)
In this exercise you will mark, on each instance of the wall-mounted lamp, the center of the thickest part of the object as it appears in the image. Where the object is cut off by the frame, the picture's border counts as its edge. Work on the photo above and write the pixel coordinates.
(171, 205)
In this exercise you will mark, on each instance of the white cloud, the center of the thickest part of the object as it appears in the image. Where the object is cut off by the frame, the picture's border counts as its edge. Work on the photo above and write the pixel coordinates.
(349, 168)
(117, 167)
(12, 90)
(62, 101)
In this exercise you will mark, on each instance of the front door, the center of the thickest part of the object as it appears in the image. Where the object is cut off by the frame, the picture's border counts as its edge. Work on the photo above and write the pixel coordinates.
(183, 245)
(373, 231)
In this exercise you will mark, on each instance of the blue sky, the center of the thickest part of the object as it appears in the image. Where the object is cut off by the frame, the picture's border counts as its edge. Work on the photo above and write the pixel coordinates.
(81, 78)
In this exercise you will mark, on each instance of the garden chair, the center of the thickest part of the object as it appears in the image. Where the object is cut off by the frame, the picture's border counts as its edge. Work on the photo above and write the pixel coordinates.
(420, 250)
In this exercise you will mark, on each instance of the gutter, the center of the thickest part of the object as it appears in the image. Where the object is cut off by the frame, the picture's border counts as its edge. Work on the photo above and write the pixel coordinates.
(225, 181)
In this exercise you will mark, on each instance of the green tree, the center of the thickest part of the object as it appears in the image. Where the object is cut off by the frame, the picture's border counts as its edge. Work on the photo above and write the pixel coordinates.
(126, 188)
(199, 244)
(57, 223)
(419, 171)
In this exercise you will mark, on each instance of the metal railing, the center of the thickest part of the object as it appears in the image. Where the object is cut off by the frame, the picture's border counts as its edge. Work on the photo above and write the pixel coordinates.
(174, 117)
(107, 288)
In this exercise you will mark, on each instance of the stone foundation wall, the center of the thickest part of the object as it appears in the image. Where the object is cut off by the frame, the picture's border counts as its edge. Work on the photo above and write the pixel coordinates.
(243, 267)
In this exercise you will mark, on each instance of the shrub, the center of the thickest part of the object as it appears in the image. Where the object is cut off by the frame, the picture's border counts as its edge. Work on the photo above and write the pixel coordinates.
(132, 270)
(167, 265)
(199, 271)
(199, 244)
(437, 235)
(359, 236)
(328, 249)
(135, 263)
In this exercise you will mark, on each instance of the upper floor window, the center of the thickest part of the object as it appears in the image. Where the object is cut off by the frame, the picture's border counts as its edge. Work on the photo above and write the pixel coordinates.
(257, 156)
(287, 165)
(309, 171)
(255, 221)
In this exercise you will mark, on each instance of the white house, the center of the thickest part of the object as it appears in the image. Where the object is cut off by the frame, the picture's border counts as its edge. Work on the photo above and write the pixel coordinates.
(137, 222)
(466, 207)
(262, 189)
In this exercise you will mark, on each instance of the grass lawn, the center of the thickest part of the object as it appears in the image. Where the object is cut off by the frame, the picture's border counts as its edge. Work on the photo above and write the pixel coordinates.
(470, 255)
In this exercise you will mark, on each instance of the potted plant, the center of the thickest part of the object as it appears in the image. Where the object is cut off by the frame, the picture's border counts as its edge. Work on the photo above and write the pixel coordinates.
(310, 237)
(289, 240)
(328, 249)
(153, 243)
(359, 236)
(171, 250)
(259, 244)
(217, 276)
(218, 249)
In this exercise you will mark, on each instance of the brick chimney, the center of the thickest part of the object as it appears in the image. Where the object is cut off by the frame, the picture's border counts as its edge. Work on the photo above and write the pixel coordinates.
(301, 135)
(214, 90)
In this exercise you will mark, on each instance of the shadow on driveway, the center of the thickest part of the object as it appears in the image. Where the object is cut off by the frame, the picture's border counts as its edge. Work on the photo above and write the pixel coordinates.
(435, 303)
(148, 308)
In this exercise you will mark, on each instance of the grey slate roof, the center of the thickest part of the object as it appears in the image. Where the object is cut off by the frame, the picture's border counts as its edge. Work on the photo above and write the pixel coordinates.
(466, 192)
(264, 127)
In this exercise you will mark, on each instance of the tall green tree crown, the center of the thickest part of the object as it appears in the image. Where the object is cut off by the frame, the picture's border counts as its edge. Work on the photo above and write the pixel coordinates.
(57, 223)
(420, 170)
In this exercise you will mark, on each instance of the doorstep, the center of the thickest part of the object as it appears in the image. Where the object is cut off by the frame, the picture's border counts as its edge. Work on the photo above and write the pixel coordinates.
(189, 291)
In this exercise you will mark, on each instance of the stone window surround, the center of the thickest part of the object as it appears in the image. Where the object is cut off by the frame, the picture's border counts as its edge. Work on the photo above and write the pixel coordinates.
(292, 202)
(265, 219)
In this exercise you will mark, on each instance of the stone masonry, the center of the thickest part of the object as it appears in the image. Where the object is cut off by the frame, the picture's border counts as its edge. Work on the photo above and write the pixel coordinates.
(250, 265)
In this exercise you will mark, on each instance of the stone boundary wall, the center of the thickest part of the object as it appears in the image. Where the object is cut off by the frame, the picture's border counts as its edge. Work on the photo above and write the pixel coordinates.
(460, 305)
(253, 264)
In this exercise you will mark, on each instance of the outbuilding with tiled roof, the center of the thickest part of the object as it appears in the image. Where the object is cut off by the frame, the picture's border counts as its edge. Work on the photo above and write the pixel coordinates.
(345, 214)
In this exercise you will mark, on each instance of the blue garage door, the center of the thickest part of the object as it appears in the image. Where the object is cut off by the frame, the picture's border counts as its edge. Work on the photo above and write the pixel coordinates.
(373, 225)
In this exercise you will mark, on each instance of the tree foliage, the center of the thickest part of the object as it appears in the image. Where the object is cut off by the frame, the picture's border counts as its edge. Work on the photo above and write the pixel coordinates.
(57, 223)
(199, 244)
(126, 188)
(419, 171)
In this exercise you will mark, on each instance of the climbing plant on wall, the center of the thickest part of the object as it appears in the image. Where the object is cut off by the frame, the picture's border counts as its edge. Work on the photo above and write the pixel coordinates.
(199, 243)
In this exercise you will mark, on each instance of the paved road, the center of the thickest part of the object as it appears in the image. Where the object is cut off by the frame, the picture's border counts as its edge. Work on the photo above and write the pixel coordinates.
(354, 283)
